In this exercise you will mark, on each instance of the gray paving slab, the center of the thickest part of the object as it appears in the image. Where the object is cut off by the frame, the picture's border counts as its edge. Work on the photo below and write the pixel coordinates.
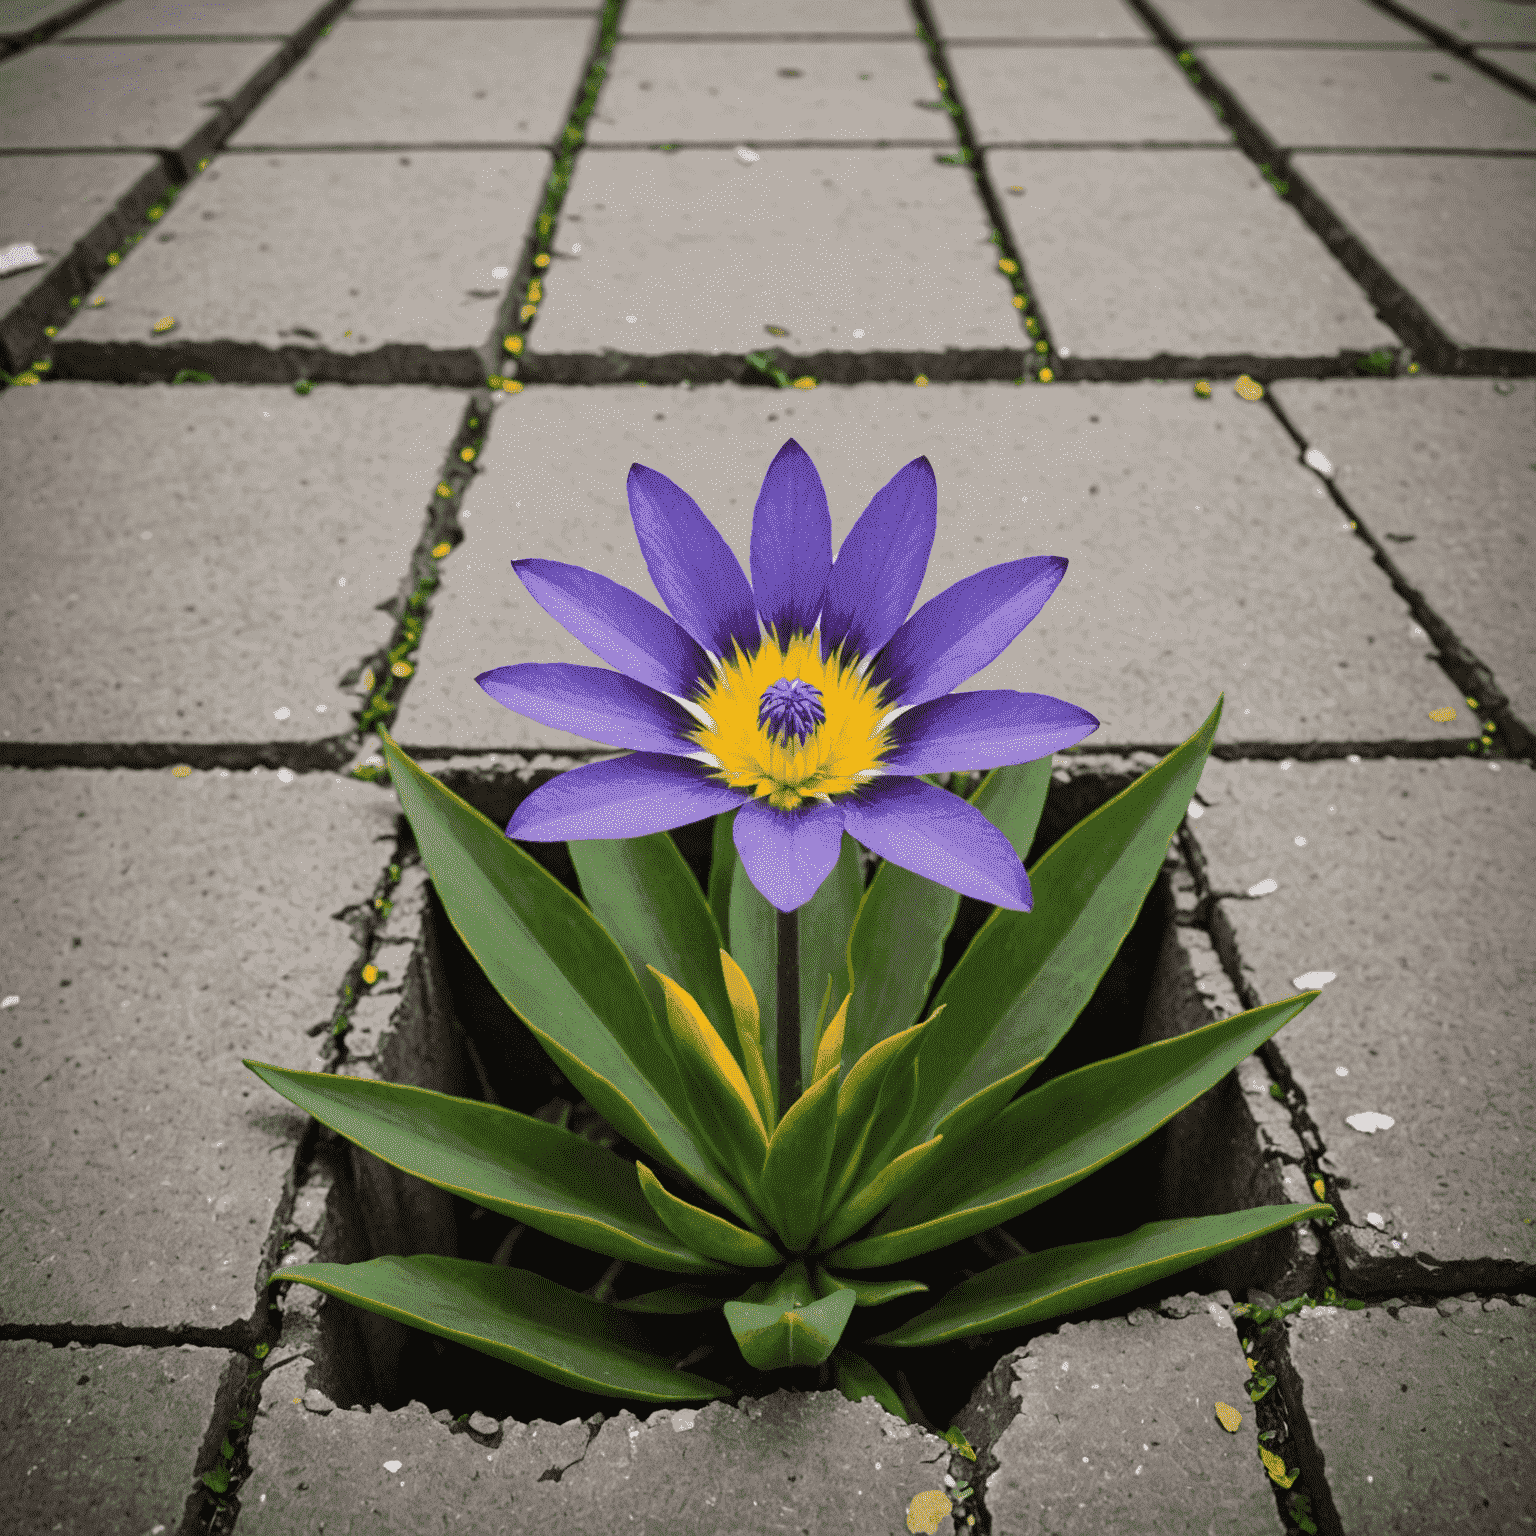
(647, 18)
(1441, 471)
(765, 93)
(396, 283)
(1134, 94)
(74, 209)
(959, 20)
(175, 97)
(143, 1163)
(1428, 1018)
(789, 1462)
(416, 81)
(1420, 1416)
(1204, 558)
(1290, 21)
(853, 252)
(177, 575)
(1375, 99)
(1520, 62)
(1177, 253)
(19, 19)
(197, 18)
(1111, 1426)
(108, 1438)
(530, 8)
(1478, 21)
(1455, 231)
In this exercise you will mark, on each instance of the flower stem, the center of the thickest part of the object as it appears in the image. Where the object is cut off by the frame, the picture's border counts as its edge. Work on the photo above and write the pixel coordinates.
(788, 1009)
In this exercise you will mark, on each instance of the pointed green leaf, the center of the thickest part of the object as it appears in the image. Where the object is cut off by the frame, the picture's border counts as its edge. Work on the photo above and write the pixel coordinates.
(1027, 975)
(887, 1186)
(1047, 1140)
(678, 1300)
(749, 1039)
(723, 860)
(1043, 1285)
(642, 891)
(772, 1337)
(515, 1316)
(549, 1178)
(824, 923)
(866, 1293)
(795, 1171)
(897, 939)
(550, 959)
(703, 1232)
(857, 1379)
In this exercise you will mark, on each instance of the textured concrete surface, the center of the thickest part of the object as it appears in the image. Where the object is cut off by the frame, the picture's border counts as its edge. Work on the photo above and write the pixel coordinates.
(1520, 62)
(1080, 95)
(827, 243)
(1111, 1426)
(1419, 1414)
(254, 281)
(1365, 99)
(383, 82)
(1454, 231)
(106, 1438)
(1265, 21)
(971, 20)
(177, 97)
(143, 1162)
(789, 1462)
(24, 17)
(648, 18)
(726, 92)
(74, 209)
(1164, 504)
(1441, 470)
(1477, 21)
(1409, 881)
(193, 592)
(1180, 252)
(199, 18)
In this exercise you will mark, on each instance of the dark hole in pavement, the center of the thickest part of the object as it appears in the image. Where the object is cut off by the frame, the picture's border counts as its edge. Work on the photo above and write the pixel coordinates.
(393, 1365)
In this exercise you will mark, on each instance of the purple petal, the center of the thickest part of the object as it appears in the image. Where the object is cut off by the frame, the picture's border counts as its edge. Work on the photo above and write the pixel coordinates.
(791, 542)
(595, 703)
(619, 625)
(698, 577)
(622, 797)
(984, 729)
(953, 636)
(880, 567)
(787, 854)
(939, 836)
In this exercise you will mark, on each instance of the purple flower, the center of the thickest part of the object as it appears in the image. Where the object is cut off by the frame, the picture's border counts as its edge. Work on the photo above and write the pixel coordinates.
(807, 699)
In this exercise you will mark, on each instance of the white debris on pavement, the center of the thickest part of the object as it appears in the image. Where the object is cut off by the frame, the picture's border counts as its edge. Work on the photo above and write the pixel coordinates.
(1264, 888)
(1369, 1121)
(281, 714)
(285, 775)
(392, 1466)
(747, 156)
(1196, 810)
(18, 257)
(1341, 1071)
(1315, 458)
(9, 1002)
(1313, 979)
(1377, 1220)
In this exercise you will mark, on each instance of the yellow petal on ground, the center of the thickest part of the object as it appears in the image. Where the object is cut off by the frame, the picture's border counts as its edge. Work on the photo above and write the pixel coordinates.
(829, 1049)
(1275, 1466)
(1319, 1188)
(181, 771)
(1443, 715)
(1249, 389)
(693, 1030)
(928, 1511)
(1229, 1418)
(749, 1032)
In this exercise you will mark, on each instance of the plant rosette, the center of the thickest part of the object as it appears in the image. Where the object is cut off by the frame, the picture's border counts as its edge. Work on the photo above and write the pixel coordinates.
(807, 713)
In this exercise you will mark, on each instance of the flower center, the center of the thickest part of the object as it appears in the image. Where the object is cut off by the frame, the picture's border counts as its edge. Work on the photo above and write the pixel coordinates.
(790, 707)
(790, 726)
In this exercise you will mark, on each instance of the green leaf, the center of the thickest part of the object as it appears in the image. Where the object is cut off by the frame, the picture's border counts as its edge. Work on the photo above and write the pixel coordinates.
(795, 1170)
(887, 1186)
(1047, 1140)
(217, 1479)
(781, 1323)
(550, 959)
(704, 1232)
(513, 1315)
(1027, 975)
(677, 1300)
(723, 860)
(857, 1379)
(824, 923)
(1043, 1285)
(897, 939)
(866, 1293)
(642, 891)
(539, 1174)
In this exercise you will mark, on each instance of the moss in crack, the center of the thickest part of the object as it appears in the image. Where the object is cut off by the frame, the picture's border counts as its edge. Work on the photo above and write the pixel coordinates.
(221, 1482)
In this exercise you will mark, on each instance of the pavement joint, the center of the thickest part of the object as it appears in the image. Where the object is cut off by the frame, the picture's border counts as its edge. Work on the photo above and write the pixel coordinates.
(1450, 43)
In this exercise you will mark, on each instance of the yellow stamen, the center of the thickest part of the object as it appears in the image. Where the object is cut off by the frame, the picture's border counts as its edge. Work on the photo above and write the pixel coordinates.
(838, 754)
